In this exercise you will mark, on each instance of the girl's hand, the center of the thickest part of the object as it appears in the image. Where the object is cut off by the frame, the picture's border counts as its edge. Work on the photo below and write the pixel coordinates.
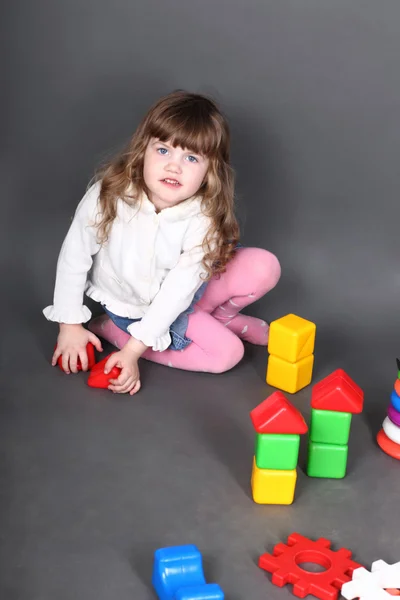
(71, 345)
(129, 378)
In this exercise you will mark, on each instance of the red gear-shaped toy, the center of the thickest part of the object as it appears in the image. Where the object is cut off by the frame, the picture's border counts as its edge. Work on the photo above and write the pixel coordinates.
(285, 560)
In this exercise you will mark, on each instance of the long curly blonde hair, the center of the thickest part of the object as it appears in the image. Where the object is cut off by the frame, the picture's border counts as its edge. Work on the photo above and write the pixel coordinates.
(190, 121)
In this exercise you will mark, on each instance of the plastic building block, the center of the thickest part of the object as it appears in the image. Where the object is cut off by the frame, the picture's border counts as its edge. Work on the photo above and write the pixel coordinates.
(291, 338)
(90, 355)
(398, 367)
(273, 487)
(277, 451)
(330, 427)
(397, 386)
(209, 591)
(394, 415)
(391, 430)
(285, 563)
(387, 445)
(289, 377)
(98, 379)
(277, 415)
(176, 567)
(338, 392)
(178, 575)
(395, 400)
(326, 460)
(364, 586)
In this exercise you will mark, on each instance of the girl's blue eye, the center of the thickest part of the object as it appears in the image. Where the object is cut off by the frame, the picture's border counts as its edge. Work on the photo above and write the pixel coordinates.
(192, 157)
(162, 151)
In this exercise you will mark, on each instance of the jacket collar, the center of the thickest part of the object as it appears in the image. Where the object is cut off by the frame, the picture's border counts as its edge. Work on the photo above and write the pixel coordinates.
(179, 212)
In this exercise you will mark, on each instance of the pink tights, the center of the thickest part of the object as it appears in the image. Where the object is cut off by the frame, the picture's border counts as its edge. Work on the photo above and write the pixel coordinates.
(216, 325)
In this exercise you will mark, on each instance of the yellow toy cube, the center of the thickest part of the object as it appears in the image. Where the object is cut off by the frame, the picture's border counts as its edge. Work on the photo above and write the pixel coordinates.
(273, 487)
(289, 377)
(291, 338)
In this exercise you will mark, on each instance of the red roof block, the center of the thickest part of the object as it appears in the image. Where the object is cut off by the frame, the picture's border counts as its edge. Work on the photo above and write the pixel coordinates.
(338, 392)
(98, 379)
(277, 415)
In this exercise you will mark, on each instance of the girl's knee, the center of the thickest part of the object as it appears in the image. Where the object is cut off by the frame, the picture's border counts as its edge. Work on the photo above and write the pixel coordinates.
(262, 266)
(229, 356)
(272, 268)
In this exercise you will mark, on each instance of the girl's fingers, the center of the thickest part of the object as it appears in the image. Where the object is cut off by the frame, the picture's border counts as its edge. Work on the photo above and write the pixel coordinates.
(136, 387)
(73, 363)
(96, 342)
(121, 380)
(121, 389)
(83, 357)
(56, 355)
(129, 386)
(65, 361)
(112, 362)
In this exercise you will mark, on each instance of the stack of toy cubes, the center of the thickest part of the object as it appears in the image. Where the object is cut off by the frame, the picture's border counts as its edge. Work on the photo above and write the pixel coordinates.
(278, 425)
(389, 436)
(291, 359)
(333, 402)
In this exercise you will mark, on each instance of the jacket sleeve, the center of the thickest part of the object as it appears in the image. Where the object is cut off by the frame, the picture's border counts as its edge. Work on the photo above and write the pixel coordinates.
(176, 291)
(74, 262)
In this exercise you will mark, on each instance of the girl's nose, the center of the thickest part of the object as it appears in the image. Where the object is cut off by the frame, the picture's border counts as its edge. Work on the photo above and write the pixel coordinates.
(174, 167)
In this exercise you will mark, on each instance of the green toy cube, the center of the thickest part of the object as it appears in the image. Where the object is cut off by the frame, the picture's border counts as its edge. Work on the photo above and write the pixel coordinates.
(330, 427)
(277, 451)
(327, 460)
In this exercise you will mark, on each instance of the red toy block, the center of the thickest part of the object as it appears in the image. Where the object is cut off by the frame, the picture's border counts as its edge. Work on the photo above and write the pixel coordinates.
(285, 563)
(277, 415)
(90, 355)
(338, 392)
(97, 377)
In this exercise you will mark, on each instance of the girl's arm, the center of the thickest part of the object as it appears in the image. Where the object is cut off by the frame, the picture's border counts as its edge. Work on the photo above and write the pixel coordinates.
(74, 262)
(176, 292)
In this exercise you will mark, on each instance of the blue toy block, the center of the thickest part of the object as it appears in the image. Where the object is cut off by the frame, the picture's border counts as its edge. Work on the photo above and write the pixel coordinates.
(209, 591)
(395, 399)
(176, 567)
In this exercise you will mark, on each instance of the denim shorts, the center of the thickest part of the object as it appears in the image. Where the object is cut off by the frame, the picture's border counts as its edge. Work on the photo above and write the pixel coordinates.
(178, 328)
(179, 341)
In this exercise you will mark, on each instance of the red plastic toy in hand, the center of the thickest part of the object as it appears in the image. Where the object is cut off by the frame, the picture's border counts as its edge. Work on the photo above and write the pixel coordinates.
(99, 379)
(90, 355)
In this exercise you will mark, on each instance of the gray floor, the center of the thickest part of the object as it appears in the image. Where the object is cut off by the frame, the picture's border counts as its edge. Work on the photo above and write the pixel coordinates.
(92, 483)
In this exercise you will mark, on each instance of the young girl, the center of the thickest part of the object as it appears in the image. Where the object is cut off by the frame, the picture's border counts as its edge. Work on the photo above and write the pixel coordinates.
(155, 241)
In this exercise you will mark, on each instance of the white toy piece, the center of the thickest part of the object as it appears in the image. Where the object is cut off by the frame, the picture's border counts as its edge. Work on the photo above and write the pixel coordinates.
(391, 430)
(388, 576)
(364, 586)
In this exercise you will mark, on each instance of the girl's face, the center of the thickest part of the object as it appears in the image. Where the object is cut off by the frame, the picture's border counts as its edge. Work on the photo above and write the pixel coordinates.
(172, 175)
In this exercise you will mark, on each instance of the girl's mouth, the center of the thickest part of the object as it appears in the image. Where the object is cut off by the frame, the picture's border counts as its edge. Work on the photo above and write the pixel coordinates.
(171, 182)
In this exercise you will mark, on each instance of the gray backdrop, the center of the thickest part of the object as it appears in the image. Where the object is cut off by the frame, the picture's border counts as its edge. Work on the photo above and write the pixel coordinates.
(91, 484)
